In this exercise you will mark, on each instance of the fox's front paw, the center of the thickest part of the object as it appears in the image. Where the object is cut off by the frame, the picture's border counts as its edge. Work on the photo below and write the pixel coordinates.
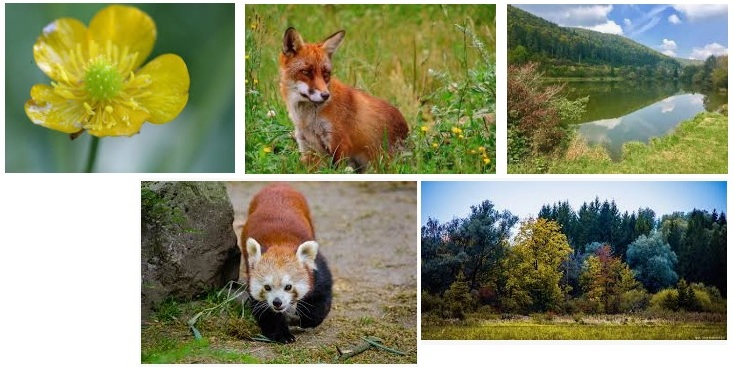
(311, 160)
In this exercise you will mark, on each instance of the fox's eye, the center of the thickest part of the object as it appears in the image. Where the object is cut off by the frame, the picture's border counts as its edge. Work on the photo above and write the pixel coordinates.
(306, 72)
(267, 288)
(288, 287)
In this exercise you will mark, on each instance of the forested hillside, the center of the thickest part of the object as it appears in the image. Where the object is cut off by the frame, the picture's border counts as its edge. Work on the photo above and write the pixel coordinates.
(566, 51)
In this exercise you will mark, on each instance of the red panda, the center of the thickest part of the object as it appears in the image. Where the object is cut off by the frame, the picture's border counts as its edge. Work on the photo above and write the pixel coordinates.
(287, 274)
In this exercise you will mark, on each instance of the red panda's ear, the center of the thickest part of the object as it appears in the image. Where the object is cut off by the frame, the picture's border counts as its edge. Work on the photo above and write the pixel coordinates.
(330, 44)
(253, 251)
(307, 252)
(292, 42)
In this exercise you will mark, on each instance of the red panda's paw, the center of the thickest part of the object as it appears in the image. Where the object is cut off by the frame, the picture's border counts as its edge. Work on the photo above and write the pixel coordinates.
(283, 338)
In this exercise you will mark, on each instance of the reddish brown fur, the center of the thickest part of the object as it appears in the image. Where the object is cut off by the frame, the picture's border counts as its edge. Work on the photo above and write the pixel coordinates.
(362, 126)
(280, 221)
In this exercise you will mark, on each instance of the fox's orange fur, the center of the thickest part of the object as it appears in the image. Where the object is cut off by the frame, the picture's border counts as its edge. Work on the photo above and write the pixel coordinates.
(330, 117)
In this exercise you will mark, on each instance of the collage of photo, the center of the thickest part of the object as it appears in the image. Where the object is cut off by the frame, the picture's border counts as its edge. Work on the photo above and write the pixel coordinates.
(416, 184)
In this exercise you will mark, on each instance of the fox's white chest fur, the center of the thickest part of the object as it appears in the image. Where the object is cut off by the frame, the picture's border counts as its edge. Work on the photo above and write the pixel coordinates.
(313, 132)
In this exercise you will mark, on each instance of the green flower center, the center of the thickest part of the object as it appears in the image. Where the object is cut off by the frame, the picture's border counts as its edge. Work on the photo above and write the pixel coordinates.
(102, 80)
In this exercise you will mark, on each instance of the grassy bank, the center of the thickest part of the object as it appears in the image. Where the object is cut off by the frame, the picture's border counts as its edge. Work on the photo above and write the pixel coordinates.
(435, 63)
(698, 145)
(227, 336)
(608, 327)
(562, 79)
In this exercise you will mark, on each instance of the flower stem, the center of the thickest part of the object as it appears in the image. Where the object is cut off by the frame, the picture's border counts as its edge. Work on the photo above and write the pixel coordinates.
(92, 154)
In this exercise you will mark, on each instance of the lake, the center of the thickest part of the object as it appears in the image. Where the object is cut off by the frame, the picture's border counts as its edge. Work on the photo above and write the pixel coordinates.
(620, 112)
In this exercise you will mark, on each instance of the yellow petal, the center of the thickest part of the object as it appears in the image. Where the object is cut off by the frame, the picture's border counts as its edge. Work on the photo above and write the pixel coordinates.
(169, 88)
(48, 109)
(127, 121)
(125, 26)
(55, 50)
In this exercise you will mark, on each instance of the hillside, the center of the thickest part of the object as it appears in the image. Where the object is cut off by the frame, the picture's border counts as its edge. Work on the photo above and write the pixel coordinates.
(563, 50)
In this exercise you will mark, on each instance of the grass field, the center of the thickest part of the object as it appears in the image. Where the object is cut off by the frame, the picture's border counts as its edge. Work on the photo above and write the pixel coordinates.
(612, 327)
(699, 145)
(434, 62)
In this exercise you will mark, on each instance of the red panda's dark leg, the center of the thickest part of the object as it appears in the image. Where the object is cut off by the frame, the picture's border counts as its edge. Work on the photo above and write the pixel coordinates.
(274, 325)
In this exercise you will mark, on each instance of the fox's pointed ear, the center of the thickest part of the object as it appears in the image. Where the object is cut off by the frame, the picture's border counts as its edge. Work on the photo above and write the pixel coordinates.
(332, 42)
(307, 252)
(292, 42)
(253, 251)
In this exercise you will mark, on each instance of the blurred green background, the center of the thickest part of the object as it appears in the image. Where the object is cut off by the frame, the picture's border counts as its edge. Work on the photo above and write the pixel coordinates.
(200, 139)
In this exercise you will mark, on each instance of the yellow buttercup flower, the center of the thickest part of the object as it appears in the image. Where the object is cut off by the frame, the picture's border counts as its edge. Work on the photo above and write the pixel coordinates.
(98, 84)
(267, 150)
(424, 128)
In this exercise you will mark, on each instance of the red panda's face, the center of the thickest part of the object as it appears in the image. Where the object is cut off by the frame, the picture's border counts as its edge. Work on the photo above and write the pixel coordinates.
(280, 276)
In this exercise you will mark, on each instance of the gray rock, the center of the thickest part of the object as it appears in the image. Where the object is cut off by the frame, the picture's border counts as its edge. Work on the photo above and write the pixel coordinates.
(188, 247)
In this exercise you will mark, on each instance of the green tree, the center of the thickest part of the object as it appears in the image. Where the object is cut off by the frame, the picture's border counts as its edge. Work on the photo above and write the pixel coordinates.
(653, 262)
(605, 279)
(457, 300)
(533, 267)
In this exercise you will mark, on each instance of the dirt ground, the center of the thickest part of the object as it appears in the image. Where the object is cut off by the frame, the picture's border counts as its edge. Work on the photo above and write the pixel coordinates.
(367, 232)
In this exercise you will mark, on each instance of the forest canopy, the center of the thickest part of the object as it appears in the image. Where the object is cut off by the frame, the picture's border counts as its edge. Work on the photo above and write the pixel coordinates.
(596, 259)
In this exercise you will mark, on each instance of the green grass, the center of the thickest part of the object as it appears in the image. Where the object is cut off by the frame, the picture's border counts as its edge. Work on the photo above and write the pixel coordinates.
(194, 351)
(698, 145)
(604, 327)
(530, 331)
(434, 62)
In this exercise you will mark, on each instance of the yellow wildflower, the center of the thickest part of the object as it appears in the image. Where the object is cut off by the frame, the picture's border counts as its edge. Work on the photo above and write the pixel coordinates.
(267, 150)
(435, 145)
(424, 128)
(486, 160)
(461, 136)
(98, 84)
(473, 151)
(481, 149)
(455, 130)
(256, 81)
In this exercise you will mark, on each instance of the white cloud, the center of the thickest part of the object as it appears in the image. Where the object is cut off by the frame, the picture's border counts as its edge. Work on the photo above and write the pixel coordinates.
(668, 47)
(627, 22)
(594, 17)
(587, 15)
(609, 27)
(696, 12)
(650, 23)
(708, 50)
(674, 19)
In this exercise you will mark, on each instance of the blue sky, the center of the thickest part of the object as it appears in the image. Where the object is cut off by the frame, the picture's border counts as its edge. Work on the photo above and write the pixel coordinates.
(689, 31)
(446, 200)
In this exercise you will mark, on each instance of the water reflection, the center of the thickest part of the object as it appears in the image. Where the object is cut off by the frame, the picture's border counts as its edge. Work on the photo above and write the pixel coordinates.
(657, 119)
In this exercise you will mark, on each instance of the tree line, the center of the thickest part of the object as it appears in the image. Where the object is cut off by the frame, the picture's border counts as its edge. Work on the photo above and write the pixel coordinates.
(593, 260)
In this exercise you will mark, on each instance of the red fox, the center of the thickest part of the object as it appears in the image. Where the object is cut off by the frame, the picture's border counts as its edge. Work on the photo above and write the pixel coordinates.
(287, 275)
(331, 117)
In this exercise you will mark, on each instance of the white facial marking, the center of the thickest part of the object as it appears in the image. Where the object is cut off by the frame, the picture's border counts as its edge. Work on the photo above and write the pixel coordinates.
(309, 94)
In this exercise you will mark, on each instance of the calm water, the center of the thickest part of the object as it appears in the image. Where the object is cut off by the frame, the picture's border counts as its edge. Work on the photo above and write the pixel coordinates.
(620, 112)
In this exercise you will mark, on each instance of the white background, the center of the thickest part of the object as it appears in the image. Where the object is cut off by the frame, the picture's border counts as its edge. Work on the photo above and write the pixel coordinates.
(70, 264)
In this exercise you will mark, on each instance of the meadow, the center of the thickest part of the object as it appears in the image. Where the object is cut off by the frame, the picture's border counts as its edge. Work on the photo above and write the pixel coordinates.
(683, 326)
(435, 63)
